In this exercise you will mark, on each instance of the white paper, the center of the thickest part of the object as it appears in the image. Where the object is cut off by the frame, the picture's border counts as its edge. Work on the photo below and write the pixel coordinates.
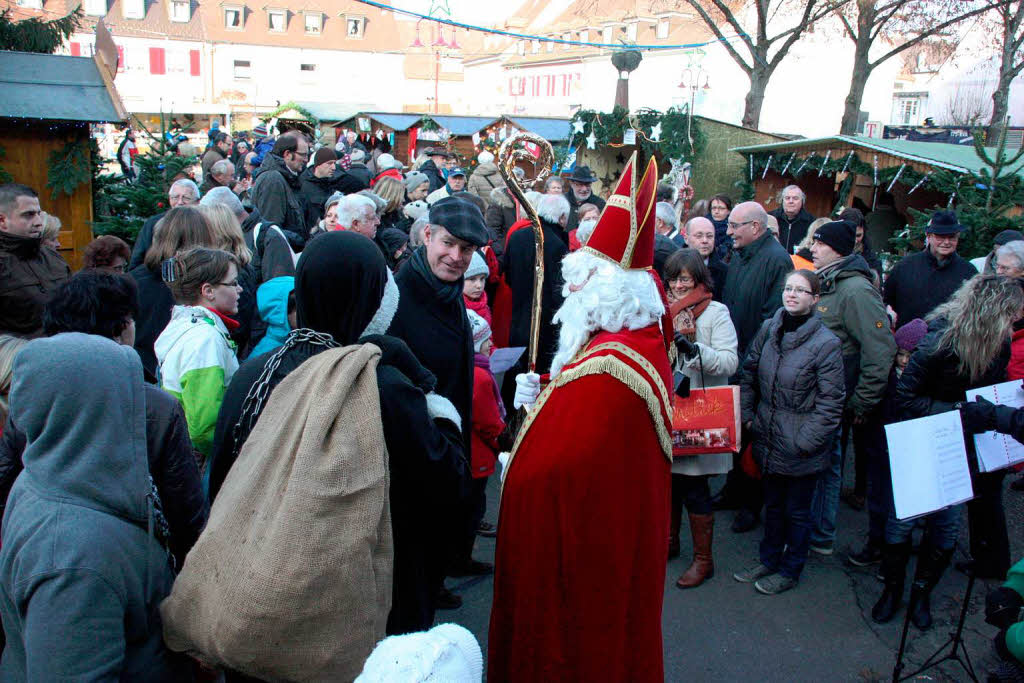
(997, 451)
(629, 136)
(928, 459)
(476, 139)
(503, 359)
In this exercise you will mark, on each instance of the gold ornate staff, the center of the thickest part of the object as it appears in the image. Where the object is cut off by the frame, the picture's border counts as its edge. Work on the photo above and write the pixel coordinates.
(510, 153)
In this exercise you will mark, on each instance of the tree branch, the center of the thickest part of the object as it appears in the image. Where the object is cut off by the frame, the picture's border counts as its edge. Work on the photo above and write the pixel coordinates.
(737, 57)
(928, 34)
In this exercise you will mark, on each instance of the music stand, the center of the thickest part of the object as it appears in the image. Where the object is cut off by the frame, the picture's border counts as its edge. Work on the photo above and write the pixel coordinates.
(956, 640)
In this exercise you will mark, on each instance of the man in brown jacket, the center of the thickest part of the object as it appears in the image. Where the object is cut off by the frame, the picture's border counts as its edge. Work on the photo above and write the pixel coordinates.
(29, 272)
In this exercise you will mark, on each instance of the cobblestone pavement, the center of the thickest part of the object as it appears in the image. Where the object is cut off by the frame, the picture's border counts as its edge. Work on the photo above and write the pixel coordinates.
(820, 631)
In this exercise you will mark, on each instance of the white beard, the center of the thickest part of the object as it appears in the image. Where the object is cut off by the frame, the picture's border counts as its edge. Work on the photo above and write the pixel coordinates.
(606, 298)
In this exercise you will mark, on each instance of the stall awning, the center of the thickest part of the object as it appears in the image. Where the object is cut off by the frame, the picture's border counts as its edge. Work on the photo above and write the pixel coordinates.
(56, 87)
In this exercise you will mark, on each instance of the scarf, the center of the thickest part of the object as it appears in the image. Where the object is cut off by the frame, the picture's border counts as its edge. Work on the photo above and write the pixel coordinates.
(446, 292)
(792, 322)
(685, 311)
(482, 361)
(479, 306)
(229, 323)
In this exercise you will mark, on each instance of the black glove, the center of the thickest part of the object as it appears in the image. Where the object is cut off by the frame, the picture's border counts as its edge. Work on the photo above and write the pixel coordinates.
(1003, 607)
(978, 415)
(685, 347)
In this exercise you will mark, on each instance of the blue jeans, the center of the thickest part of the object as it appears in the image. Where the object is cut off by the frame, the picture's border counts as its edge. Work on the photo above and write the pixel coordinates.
(826, 497)
(943, 527)
(787, 522)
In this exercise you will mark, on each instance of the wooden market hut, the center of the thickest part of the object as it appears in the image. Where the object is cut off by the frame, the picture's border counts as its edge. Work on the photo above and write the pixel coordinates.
(366, 124)
(48, 103)
(823, 191)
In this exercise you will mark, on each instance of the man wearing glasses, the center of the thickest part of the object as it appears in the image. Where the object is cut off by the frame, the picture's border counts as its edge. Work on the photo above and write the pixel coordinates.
(753, 293)
(277, 190)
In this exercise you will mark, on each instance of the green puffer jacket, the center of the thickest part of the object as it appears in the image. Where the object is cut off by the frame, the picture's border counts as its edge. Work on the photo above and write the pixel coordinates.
(852, 309)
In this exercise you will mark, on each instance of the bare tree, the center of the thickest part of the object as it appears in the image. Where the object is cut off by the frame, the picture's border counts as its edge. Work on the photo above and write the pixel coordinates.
(1011, 19)
(761, 54)
(968, 105)
(914, 20)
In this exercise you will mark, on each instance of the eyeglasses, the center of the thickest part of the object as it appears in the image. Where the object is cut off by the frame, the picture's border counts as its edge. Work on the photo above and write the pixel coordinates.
(682, 279)
(737, 226)
(790, 289)
(230, 284)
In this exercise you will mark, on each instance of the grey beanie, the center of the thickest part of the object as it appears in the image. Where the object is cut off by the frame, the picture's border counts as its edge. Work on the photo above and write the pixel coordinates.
(414, 180)
(477, 266)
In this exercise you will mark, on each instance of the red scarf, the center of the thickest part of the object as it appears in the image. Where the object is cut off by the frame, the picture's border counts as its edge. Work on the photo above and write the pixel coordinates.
(479, 306)
(685, 311)
(229, 323)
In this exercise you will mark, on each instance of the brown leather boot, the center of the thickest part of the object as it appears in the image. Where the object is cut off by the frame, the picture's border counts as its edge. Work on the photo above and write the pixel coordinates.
(676, 520)
(702, 568)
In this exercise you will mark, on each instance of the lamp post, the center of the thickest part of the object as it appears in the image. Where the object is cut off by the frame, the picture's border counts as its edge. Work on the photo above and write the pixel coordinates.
(691, 79)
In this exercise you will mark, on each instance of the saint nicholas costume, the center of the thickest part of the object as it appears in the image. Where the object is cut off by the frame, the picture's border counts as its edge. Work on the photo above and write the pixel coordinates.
(581, 552)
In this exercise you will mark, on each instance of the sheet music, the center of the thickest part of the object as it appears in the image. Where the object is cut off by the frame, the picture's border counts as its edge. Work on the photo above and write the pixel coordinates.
(928, 459)
(997, 451)
(505, 358)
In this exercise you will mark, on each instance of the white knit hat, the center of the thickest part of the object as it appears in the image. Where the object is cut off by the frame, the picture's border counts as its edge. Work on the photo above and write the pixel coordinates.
(386, 161)
(478, 266)
(445, 654)
(481, 330)
(415, 209)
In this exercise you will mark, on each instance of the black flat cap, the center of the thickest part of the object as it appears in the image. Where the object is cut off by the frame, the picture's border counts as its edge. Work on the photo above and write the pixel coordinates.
(461, 218)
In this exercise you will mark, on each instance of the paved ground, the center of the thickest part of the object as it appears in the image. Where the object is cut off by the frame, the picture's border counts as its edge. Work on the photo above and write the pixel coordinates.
(820, 631)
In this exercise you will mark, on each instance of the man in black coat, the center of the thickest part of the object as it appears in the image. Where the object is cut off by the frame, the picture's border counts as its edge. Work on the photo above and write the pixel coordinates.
(317, 184)
(793, 218)
(580, 192)
(432, 320)
(277, 190)
(431, 168)
(518, 264)
(922, 281)
(700, 235)
(753, 293)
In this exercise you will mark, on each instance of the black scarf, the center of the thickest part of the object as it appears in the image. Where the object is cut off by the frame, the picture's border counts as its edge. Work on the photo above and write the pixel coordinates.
(447, 292)
(791, 322)
(339, 283)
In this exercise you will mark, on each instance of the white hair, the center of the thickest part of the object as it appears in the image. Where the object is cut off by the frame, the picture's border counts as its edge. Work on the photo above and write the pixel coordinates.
(185, 182)
(222, 166)
(532, 197)
(553, 207)
(787, 188)
(599, 295)
(585, 229)
(224, 197)
(667, 213)
(485, 157)
(416, 231)
(1015, 249)
(354, 207)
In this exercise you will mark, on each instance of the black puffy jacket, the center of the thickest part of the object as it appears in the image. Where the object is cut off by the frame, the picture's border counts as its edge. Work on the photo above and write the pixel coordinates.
(792, 389)
(172, 464)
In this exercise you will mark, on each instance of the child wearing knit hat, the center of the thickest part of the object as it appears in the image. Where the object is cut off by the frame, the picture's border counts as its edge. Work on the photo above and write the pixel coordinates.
(473, 287)
(488, 414)
(908, 336)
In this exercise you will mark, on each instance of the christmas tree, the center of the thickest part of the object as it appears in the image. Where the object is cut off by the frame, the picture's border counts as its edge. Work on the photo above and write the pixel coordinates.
(121, 207)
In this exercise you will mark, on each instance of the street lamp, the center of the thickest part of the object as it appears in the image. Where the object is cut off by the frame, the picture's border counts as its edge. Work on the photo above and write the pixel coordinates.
(691, 79)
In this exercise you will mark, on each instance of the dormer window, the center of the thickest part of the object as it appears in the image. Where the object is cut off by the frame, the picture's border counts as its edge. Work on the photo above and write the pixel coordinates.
(584, 36)
(314, 23)
(661, 31)
(277, 20)
(180, 10)
(95, 8)
(606, 35)
(133, 9)
(631, 32)
(233, 17)
(355, 26)
(551, 45)
(31, 4)
(566, 36)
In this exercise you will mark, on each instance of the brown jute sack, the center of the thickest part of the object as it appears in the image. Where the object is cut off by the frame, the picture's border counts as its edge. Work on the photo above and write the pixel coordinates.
(291, 579)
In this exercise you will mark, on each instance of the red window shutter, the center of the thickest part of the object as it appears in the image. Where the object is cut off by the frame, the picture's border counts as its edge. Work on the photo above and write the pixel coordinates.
(76, 49)
(156, 61)
(120, 59)
(193, 59)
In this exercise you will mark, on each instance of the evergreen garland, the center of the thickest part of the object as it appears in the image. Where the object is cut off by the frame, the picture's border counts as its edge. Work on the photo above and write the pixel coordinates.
(677, 129)
(68, 167)
(292, 106)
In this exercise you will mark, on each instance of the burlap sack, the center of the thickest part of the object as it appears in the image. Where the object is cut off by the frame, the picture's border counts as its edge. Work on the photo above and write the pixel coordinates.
(291, 579)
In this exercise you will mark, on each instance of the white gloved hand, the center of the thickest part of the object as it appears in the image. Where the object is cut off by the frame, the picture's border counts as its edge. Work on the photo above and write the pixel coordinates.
(502, 465)
(527, 390)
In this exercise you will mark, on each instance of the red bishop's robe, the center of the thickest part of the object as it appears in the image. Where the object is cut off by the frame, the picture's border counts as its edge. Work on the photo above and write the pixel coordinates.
(580, 565)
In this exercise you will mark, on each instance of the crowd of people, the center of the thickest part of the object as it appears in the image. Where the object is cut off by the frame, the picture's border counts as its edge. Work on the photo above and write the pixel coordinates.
(180, 346)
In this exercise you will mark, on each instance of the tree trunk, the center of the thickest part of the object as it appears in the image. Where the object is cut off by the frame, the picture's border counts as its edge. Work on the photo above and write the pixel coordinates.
(861, 72)
(759, 77)
(999, 109)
